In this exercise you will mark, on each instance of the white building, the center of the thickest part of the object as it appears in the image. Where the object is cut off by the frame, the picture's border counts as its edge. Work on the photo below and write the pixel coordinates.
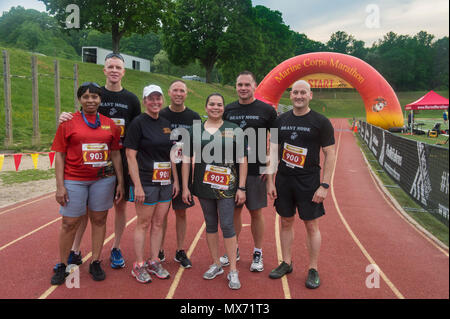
(97, 55)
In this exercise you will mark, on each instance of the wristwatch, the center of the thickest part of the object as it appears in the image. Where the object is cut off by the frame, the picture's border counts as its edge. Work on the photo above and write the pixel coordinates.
(242, 189)
(325, 185)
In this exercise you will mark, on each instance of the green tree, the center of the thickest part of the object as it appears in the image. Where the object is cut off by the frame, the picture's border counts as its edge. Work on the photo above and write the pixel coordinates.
(196, 30)
(340, 42)
(162, 64)
(240, 47)
(394, 59)
(36, 31)
(357, 49)
(145, 46)
(440, 64)
(276, 39)
(119, 17)
(421, 45)
(303, 45)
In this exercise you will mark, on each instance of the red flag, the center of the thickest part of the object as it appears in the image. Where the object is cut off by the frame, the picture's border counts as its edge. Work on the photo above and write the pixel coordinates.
(17, 160)
(51, 155)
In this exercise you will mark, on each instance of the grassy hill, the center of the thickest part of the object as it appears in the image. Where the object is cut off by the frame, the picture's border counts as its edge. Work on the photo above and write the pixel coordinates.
(334, 104)
(134, 81)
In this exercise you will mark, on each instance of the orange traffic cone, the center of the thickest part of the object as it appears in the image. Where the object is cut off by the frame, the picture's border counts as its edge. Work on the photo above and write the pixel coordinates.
(355, 128)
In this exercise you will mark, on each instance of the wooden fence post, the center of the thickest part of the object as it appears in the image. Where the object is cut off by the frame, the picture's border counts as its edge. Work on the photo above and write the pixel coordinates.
(57, 93)
(7, 98)
(75, 86)
(35, 94)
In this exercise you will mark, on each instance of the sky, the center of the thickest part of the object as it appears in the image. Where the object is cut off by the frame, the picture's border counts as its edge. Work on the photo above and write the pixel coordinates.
(366, 20)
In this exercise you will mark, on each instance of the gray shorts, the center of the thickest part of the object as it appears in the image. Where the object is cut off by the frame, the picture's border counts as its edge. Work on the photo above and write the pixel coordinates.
(97, 196)
(256, 193)
(154, 194)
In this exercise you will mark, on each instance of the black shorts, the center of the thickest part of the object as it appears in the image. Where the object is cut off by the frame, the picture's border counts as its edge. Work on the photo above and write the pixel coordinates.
(177, 202)
(256, 194)
(295, 193)
(126, 183)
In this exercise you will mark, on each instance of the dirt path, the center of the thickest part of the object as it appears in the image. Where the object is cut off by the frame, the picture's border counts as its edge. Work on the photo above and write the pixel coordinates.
(10, 194)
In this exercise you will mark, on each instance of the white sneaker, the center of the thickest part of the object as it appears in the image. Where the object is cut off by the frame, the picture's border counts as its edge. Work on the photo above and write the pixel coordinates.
(233, 280)
(213, 271)
(224, 261)
(257, 264)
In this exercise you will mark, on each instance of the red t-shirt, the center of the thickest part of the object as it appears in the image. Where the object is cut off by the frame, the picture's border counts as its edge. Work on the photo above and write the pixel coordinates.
(87, 150)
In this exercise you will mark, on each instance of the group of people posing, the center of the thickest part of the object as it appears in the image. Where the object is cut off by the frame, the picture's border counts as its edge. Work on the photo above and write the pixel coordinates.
(109, 153)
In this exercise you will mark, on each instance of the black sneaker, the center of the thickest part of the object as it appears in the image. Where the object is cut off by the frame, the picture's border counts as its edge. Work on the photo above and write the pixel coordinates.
(313, 280)
(281, 270)
(181, 258)
(75, 258)
(161, 255)
(60, 275)
(72, 259)
(96, 271)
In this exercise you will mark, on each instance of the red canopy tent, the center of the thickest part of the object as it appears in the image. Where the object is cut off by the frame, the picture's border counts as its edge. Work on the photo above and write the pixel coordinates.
(430, 101)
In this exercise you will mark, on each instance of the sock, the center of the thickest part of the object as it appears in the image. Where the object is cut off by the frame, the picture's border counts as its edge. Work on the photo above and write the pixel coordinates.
(259, 250)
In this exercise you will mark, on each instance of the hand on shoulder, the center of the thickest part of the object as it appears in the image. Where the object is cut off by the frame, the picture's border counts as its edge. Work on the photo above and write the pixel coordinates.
(64, 117)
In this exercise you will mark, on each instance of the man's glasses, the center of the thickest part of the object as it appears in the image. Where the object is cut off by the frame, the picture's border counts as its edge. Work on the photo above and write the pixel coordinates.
(89, 84)
(114, 55)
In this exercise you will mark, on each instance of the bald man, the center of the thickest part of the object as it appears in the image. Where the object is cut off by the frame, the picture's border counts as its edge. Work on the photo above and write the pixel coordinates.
(298, 186)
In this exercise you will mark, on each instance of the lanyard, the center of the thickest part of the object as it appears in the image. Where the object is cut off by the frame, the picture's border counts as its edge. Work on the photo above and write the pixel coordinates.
(92, 125)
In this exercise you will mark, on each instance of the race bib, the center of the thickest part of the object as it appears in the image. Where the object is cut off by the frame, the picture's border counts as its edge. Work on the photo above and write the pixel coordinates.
(95, 154)
(162, 173)
(294, 156)
(121, 124)
(218, 177)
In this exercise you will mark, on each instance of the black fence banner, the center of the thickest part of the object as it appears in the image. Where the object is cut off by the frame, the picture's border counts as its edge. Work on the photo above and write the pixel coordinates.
(420, 169)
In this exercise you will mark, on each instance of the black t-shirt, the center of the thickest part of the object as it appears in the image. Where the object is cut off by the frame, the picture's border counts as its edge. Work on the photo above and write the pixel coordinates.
(178, 120)
(122, 107)
(254, 115)
(151, 139)
(216, 176)
(300, 139)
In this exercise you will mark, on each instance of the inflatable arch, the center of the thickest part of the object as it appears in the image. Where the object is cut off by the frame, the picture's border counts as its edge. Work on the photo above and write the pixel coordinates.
(381, 103)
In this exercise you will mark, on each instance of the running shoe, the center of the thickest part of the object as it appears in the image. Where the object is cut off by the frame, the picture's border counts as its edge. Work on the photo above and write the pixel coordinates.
(161, 255)
(281, 270)
(141, 274)
(257, 263)
(180, 257)
(96, 271)
(116, 259)
(158, 270)
(73, 259)
(60, 275)
(313, 280)
(213, 271)
(233, 280)
(224, 261)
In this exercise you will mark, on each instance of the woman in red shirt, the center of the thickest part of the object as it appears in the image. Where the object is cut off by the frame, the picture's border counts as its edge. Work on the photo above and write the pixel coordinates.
(87, 154)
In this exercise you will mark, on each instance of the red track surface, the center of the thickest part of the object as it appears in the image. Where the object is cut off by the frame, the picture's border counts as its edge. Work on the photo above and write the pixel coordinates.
(360, 227)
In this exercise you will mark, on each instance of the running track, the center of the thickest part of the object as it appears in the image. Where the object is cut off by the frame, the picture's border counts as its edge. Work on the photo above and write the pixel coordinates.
(361, 227)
